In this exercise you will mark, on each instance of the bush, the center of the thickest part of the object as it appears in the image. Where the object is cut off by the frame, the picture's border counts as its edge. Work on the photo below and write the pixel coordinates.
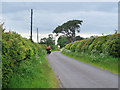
(84, 46)
(114, 48)
(87, 44)
(78, 47)
(16, 49)
(54, 48)
(108, 45)
(68, 46)
(73, 46)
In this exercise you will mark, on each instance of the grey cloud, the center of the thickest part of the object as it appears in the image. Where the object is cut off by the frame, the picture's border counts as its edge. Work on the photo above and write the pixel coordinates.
(97, 17)
(59, 7)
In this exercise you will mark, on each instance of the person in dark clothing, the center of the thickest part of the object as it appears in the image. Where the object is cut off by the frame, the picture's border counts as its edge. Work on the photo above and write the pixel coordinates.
(48, 49)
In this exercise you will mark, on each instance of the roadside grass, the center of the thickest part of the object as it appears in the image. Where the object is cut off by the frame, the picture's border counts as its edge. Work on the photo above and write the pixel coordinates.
(56, 50)
(102, 61)
(24, 63)
(34, 73)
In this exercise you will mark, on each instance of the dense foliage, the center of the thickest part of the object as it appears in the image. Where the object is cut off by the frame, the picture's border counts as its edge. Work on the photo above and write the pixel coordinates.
(17, 51)
(102, 52)
(62, 41)
(54, 48)
(48, 41)
(78, 38)
(1, 56)
(109, 45)
(69, 29)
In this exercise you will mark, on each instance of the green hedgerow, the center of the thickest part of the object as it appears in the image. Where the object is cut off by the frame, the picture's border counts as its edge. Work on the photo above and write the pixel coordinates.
(109, 45)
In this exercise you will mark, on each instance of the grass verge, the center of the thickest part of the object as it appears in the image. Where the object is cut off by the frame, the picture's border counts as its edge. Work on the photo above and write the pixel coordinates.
(108, 63)
(34, 73)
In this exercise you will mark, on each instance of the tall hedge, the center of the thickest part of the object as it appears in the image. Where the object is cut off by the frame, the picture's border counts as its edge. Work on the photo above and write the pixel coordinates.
(73, 46)
(14, 50)
(109, 44)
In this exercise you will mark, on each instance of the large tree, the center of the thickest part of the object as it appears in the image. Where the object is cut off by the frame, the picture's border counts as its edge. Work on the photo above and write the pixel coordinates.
(69, 29)
(1, 27)
(62, 41)
(78, 38)
(48, 41)
(43, 40)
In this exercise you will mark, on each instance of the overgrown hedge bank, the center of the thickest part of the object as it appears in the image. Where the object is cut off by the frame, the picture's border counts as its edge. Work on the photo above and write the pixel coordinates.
(17, 51)
(108, 44)
(14, 50)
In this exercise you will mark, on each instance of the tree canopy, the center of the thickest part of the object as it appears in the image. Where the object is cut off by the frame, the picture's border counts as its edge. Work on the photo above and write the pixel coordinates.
(48, 41)
(69, 29)
(62, 41)
(79, 38)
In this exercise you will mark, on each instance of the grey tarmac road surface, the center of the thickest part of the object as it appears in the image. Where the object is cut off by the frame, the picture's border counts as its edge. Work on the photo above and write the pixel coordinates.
(76, 74)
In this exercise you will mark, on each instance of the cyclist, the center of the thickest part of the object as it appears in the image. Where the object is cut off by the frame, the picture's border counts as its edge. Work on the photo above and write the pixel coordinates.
(48, 49)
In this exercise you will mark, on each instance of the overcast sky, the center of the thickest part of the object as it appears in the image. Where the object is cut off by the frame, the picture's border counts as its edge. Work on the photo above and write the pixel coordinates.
(98, 17)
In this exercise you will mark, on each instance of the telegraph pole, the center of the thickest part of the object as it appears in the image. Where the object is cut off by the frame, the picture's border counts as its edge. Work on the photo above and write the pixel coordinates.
(31, 24)
(37, 36)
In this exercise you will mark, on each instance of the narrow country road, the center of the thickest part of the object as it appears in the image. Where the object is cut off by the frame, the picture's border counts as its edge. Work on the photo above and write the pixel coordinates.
(76, 74)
